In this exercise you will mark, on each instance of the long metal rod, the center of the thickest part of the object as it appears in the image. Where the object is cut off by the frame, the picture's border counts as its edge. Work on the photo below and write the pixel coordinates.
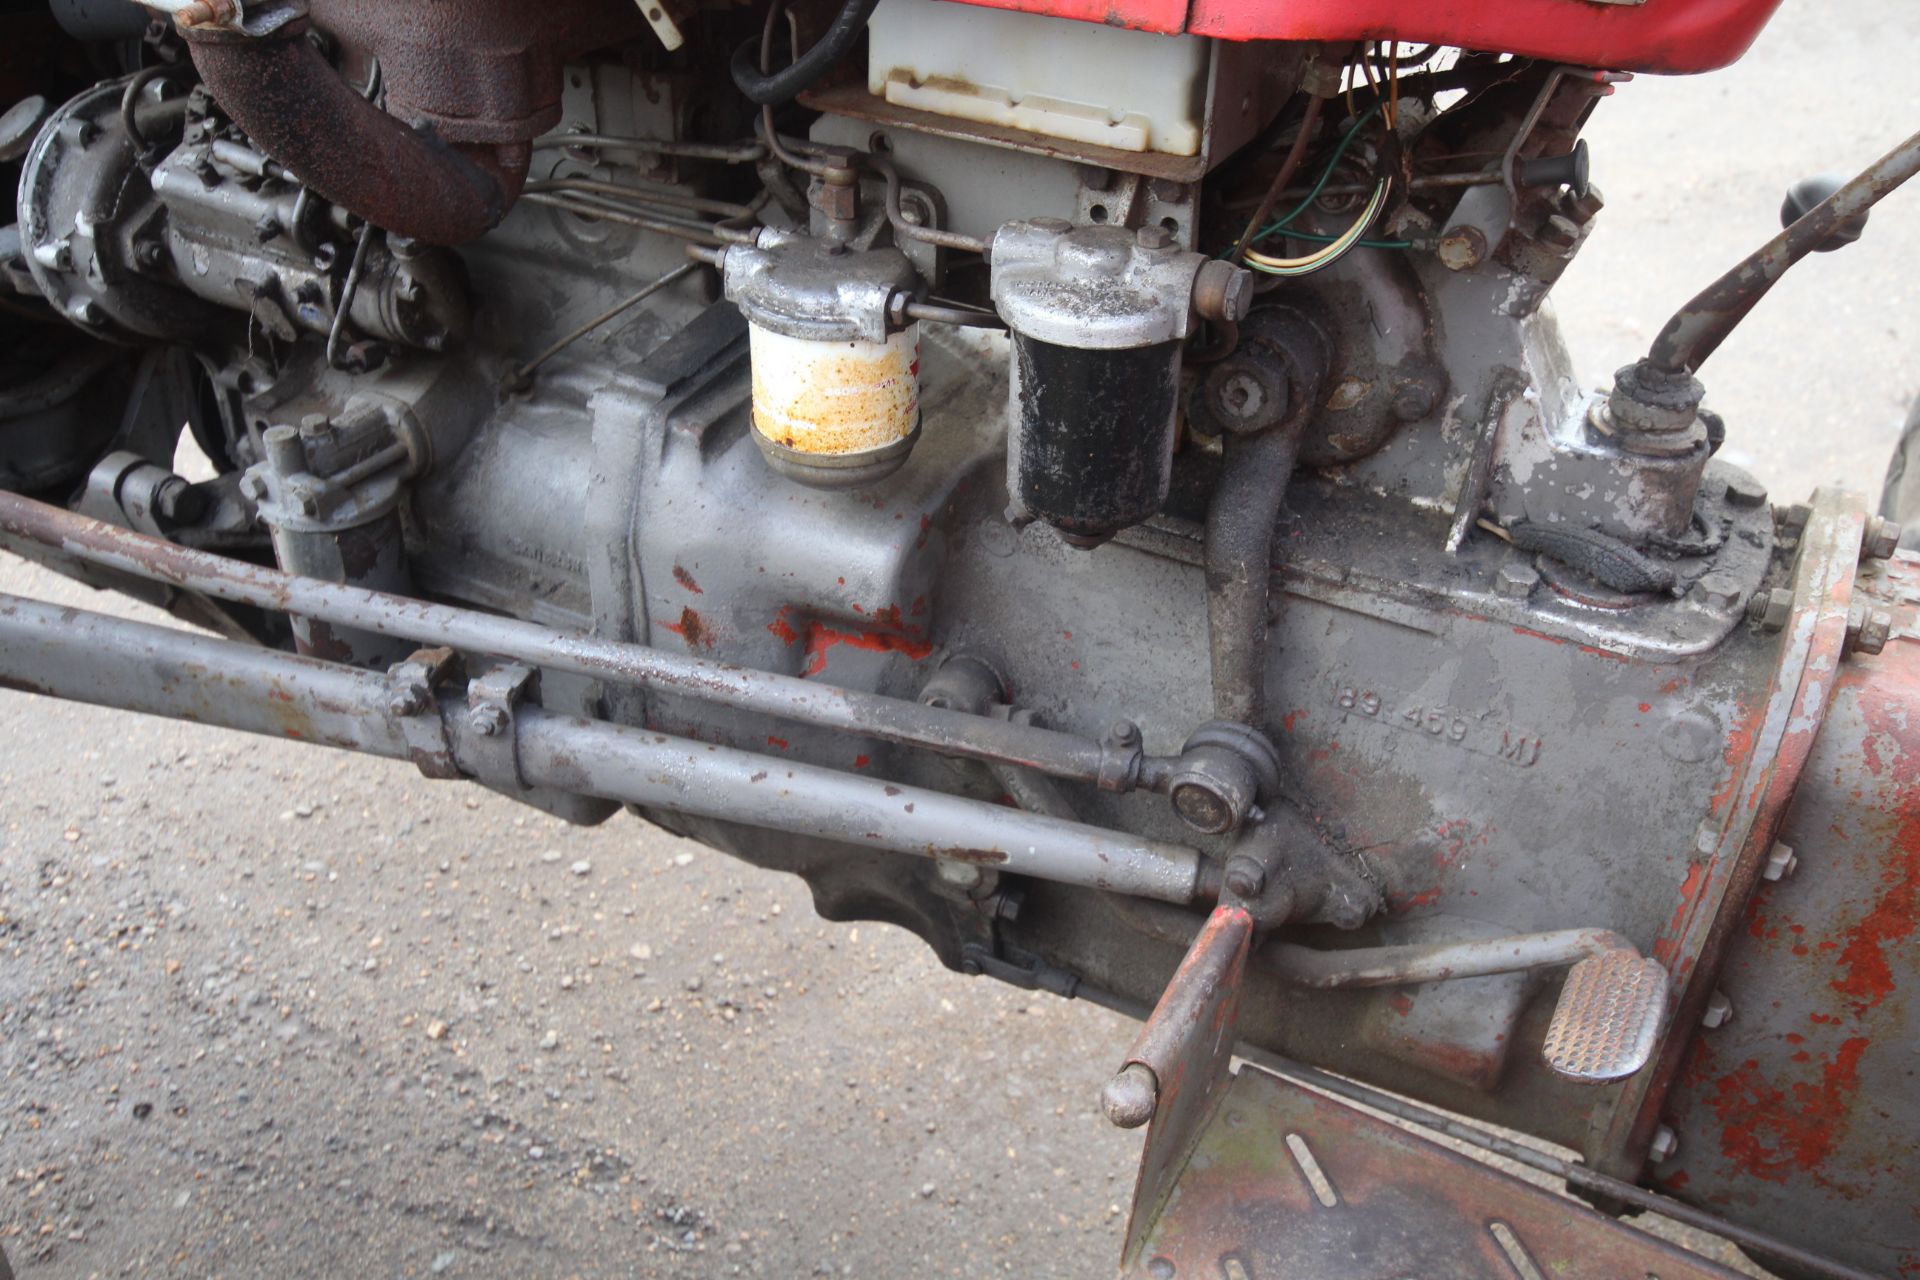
(1699, 327)
(1064, 755)
(1436, 962)
(1758, 1242)
(90, 657)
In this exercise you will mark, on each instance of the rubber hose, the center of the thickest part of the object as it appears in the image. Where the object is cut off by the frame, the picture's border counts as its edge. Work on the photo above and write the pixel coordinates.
(783, 86)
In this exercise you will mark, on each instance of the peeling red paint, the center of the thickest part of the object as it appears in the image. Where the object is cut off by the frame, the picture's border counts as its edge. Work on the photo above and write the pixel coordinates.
(685, 579)
(781, 743)
(861, 762)
(1769, 1132)
(1292, 718)
(1895, 914)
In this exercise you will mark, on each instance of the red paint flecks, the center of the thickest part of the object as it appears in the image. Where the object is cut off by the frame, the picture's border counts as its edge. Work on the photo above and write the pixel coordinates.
(1293, 718)
(1770, 1132)
(685, 579)
(782, 628)
(861, 762)
(781, 743)
(1645, 707)
(691, 628)
(1401, 1002)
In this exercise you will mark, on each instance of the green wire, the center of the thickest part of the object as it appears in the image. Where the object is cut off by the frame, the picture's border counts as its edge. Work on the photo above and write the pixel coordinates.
(1346, 140)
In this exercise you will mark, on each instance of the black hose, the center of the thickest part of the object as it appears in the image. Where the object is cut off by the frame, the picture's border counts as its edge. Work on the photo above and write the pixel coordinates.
(778, 87)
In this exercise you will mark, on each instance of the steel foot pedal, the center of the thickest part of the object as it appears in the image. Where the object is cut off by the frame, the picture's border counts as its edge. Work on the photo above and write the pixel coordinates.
(1608, 1019)
(1284, 1182)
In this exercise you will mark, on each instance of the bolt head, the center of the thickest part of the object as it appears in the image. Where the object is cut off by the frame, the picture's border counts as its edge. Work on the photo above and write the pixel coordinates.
(1719, 1011)
(1124, 733)
(1719, 591)
(1665, 1145)
(1782, 862)
(487, 721)
(1245, 878)
(1516, 580)
(1745, 492)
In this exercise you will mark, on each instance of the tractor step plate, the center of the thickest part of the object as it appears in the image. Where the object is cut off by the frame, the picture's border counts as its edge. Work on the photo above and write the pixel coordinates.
(1288, 1184)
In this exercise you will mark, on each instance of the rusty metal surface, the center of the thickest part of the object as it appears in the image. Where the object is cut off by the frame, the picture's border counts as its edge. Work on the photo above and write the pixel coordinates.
(481, 71)
(1698, 328)
(484, 80)
(1285, 1182)
(295, 108)
(1766, 753)
(1187, 1044)
(1800, 1109)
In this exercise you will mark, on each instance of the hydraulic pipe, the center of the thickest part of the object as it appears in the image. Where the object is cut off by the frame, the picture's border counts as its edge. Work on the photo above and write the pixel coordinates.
(89, 657)
(1064, 755)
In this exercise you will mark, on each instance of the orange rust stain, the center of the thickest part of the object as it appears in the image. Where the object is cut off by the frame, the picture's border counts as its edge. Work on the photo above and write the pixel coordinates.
(1770, 1132)
(691, 628)
(685, 579)
(822, 638)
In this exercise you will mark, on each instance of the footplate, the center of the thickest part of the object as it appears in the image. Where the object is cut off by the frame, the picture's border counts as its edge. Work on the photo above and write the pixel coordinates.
(1285, 1182)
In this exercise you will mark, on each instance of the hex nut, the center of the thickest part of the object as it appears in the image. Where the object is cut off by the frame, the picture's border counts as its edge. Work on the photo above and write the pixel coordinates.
(1516, 580)
(488, 721)
(1719, 1011)
(1868, 629)
(1771, 609)
(1665, 1145)
(1882, 539)
(1719, 590)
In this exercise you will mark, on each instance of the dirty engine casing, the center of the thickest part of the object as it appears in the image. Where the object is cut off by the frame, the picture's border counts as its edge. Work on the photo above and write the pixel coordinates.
(1512, 655)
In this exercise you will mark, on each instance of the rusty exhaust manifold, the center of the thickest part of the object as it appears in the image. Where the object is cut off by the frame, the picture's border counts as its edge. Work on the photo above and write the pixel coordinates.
(468, 87)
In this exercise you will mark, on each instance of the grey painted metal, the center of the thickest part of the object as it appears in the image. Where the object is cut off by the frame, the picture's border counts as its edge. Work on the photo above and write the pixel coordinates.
(89, 657)
(891, 719)
(111, 662)
(1405, 966)
(641, 767)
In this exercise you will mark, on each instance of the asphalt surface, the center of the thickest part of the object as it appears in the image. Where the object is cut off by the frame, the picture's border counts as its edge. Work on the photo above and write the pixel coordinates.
(269, 1011)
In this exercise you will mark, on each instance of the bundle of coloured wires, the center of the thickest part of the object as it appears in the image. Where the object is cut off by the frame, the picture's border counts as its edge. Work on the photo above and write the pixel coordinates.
(1336, 247)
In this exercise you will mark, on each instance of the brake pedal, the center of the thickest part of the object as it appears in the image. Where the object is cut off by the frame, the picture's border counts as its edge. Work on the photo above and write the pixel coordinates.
(1608, 1019)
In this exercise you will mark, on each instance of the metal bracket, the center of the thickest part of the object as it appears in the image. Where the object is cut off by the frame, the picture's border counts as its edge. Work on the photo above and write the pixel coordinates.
(415, 712)
(493, 751)
(1178, 1068)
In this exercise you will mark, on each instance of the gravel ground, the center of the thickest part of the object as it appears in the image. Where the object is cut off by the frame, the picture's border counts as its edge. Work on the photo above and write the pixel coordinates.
(266, 1011)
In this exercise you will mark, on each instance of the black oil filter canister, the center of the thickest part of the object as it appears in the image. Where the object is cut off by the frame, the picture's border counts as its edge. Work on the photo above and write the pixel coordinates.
(1098, 315)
